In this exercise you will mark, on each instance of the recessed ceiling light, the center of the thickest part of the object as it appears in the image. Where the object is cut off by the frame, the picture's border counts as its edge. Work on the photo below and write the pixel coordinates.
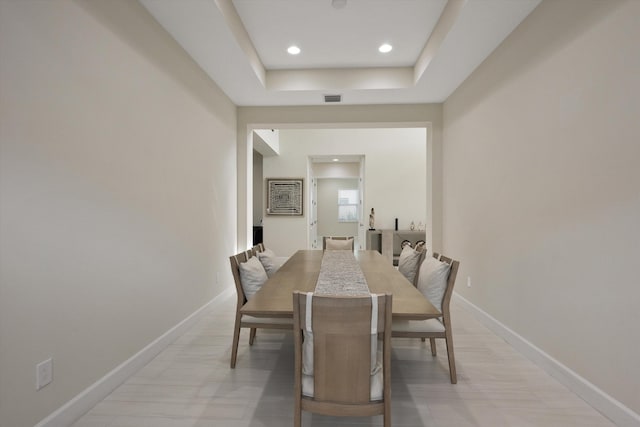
(385, 48)
(336, 160)
(293, 50)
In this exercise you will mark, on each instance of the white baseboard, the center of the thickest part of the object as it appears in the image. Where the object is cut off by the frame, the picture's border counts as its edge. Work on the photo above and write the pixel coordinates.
(71, 411)
(618, 413)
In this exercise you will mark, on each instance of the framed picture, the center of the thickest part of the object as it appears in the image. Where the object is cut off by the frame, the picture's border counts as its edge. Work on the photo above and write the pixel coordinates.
(285, 196)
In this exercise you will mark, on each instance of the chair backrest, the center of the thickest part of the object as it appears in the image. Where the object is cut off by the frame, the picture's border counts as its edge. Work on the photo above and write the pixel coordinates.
(451, 281)
(235, 261)
(342, 355)
(325, 238)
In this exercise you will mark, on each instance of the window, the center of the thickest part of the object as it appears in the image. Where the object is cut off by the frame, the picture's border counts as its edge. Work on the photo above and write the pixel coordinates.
(347, 205)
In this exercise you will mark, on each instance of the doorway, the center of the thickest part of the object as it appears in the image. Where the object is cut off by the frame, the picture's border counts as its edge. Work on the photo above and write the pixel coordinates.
(336, 198)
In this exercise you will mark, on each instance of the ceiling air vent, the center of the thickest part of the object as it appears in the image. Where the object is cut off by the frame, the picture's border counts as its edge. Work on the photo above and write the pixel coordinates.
(332, 98)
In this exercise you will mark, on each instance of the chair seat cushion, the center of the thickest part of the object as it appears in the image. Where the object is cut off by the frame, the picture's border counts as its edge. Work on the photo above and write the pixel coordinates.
(419, 326)
(268, 320)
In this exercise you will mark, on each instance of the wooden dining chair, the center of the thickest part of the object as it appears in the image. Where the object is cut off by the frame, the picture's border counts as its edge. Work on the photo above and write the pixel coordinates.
(436, 279)
(244, 321)
(342, 370)
(257, 248)
(337, 242)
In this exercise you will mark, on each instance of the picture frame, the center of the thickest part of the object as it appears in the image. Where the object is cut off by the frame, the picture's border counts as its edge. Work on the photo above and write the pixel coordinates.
(285, 196)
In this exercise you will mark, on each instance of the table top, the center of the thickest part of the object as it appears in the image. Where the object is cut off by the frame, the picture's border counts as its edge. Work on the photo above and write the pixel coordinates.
(300, 273)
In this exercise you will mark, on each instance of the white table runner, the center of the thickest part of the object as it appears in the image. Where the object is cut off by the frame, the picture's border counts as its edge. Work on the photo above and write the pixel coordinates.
(340, 274)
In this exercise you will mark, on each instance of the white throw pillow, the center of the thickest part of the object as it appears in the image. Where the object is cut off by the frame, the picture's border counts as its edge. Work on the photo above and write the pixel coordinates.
(269, 261)
(433, 280)
(339, 244)
(252, 276)
(408, 263)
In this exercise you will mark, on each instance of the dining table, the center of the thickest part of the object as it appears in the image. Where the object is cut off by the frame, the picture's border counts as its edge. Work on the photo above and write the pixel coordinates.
(301, 273)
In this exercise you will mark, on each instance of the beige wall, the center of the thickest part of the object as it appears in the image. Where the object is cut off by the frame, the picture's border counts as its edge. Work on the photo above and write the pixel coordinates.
(118, 202)
(541, 196)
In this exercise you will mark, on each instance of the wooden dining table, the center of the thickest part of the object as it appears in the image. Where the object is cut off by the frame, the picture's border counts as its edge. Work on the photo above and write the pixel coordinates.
(301, 271)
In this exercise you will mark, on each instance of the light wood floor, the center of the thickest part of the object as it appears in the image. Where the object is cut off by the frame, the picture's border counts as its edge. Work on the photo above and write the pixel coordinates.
(190, 384)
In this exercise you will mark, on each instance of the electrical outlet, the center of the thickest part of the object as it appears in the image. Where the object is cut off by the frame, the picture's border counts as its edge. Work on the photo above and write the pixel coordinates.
(468, 281)
(44, 373)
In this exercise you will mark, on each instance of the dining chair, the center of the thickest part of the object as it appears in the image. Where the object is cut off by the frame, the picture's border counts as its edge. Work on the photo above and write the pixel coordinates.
(342, 371)
(340, 243)
(244, 321)
(437, 276)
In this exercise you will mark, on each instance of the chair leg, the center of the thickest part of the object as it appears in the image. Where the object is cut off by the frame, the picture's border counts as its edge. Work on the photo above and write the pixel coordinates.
(452, 360)
(297, 413)
(432, 341)
(252, 336)
(387, 413)
(236, 339)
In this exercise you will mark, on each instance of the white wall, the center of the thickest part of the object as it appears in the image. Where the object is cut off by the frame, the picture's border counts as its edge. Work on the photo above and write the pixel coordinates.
(395, 176)
(269, 139)
(541, 196)
(336, 170)
(117, 193)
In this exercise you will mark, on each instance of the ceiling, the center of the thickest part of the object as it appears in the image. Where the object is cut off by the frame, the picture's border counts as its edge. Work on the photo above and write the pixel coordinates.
(242, 45)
